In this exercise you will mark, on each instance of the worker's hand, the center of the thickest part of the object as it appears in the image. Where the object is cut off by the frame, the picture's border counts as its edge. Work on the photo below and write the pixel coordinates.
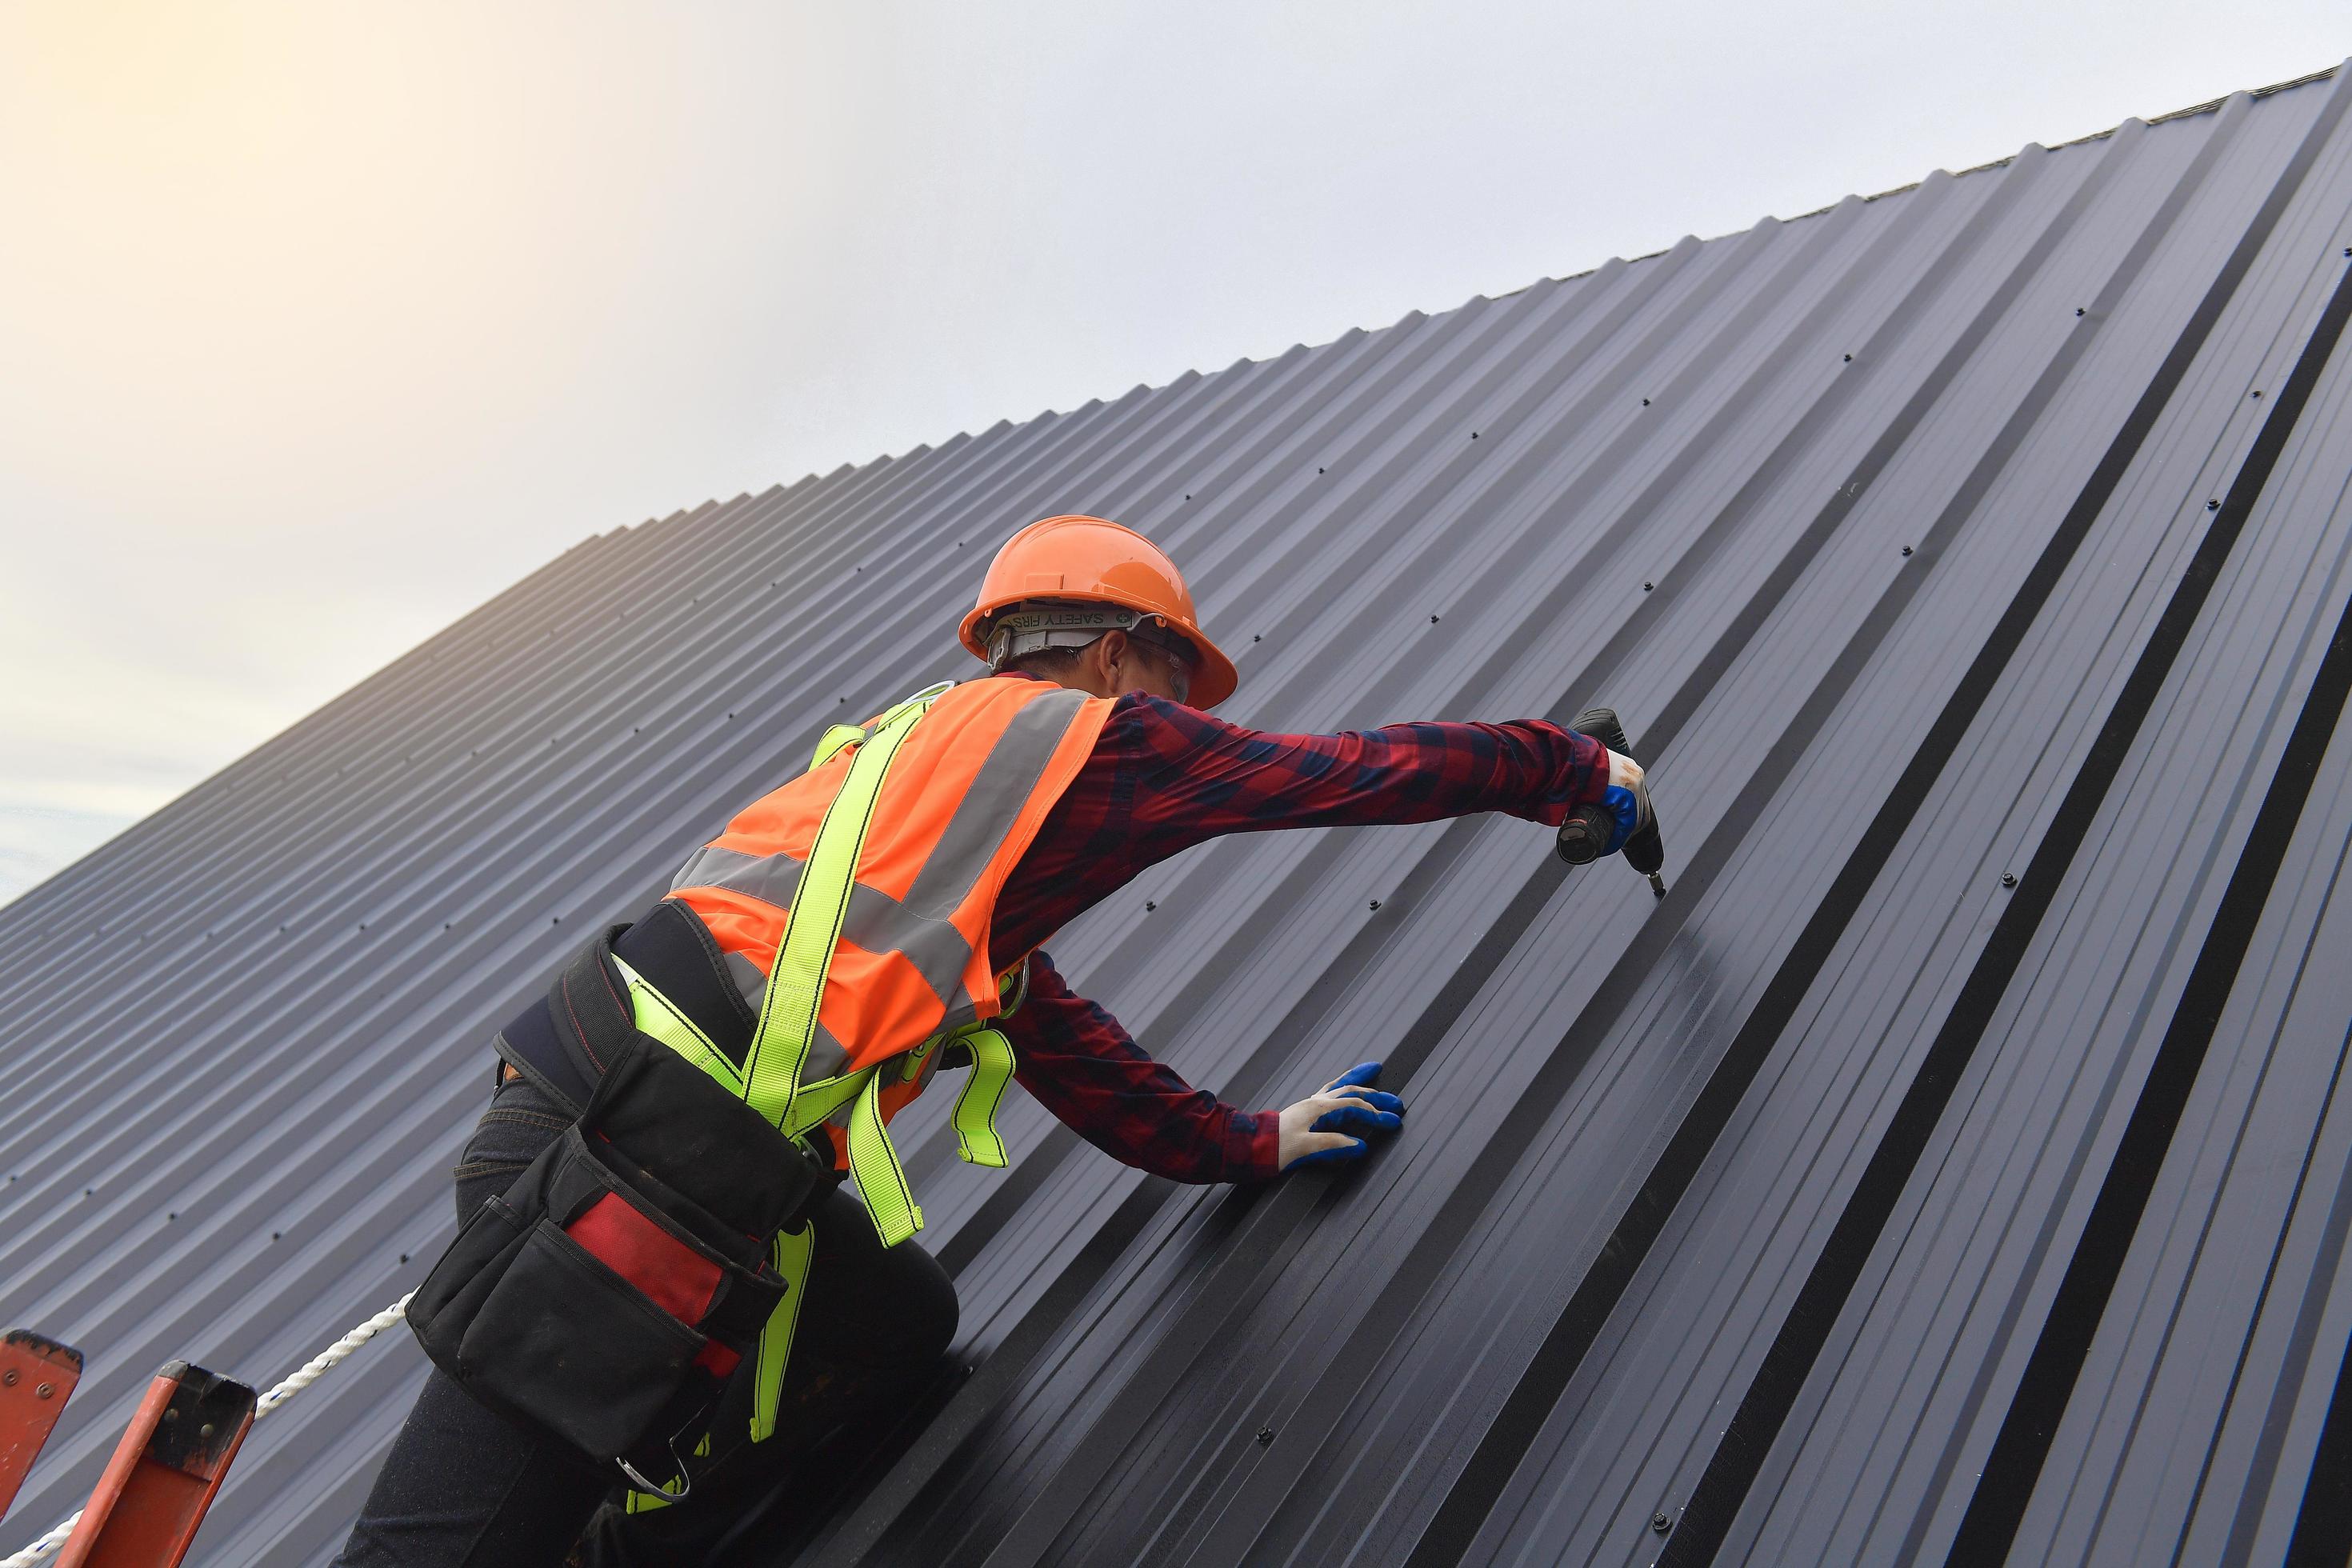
(1324, 1128)
(1628, 800)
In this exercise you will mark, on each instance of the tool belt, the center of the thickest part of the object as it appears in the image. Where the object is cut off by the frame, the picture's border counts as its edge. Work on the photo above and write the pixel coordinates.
(607, 1296)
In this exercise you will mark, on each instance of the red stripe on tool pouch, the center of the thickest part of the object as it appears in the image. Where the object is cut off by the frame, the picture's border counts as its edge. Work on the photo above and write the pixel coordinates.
(676, 1278)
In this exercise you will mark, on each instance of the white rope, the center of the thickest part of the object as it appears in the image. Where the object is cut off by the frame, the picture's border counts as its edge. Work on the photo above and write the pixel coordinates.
(301, 1378)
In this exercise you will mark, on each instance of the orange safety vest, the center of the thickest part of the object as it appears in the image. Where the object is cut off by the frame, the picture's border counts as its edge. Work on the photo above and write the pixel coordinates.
(963, 798)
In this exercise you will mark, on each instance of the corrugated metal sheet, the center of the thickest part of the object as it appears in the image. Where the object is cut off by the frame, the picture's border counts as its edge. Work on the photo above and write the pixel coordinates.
(1953, 1165)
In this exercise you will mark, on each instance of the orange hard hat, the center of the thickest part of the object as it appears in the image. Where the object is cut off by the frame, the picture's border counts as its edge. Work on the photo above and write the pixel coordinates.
(1092, 560)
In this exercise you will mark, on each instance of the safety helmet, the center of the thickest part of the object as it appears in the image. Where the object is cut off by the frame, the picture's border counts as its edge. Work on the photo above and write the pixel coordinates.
(1063, 574)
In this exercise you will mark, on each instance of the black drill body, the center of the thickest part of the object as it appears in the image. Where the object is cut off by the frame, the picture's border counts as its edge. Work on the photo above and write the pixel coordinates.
(1584, 837)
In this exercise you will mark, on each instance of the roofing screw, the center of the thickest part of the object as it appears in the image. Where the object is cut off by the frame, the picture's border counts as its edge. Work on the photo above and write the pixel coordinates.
(1265, 1436)
(1849, 358)
(8, 1378)
(1473, 435)
(1906, 549)
(171, 1414)
(205, 1430)
(275, 1235)
(1649, 587)
(1375, 903)
(2212, 506)
(174, 1215)
(404, 1257)
(1188, 496)
(1645, 403)
(2009, 879)
(1433, 620)
(1660, 1523)
(1148, 905)
(2078, 310)
(1318, 470)
(1255, 637)
(42, 1390)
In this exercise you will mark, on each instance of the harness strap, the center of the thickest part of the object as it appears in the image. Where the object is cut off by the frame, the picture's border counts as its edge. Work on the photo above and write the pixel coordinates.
(982, 1092)
(788, 1009)
(794, 1249)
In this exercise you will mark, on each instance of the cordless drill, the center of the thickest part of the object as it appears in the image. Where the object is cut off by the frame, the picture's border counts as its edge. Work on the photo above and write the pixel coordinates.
(1584, 837)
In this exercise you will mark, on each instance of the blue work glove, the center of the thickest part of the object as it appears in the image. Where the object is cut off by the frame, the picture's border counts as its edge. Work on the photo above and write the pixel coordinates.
(1627, 799)
(1328, 1126)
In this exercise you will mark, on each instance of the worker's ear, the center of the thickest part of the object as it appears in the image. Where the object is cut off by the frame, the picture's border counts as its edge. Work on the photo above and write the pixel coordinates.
(1094, 671)
(1105, 658)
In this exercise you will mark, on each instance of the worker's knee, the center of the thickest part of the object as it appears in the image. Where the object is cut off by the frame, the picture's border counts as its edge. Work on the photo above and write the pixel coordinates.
(873, 1305)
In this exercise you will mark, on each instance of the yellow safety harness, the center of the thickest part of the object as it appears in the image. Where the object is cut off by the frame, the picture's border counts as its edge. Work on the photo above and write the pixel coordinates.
(770, 1077)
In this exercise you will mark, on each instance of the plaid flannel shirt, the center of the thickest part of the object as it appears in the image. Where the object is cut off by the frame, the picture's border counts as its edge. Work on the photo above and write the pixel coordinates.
(1163, 777)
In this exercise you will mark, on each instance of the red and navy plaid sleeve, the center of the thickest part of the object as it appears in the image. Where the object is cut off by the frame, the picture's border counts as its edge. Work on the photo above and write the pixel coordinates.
(1082, 1066)
(1163, 777)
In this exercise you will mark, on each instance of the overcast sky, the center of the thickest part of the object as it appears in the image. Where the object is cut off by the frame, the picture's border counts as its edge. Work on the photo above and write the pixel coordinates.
(320, 323)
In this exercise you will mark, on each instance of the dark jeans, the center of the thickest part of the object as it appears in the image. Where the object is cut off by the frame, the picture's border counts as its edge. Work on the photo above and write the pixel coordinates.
(463, 1488)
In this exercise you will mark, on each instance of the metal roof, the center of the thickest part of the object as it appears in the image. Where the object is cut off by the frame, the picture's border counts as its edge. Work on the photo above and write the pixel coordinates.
(1953, 1165)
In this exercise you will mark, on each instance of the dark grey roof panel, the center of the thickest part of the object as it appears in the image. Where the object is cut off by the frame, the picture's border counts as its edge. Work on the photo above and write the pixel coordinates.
(1782, 1209)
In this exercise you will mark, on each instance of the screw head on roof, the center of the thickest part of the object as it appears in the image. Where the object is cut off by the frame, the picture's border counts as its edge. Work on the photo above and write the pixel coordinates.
(2212, 506)
(2009, 879)
(1906, 549)
(2078, 310)
(42, 1390)
(1318, 470)
(1660, 1523)
(276, 1235)
(2258, 392)
(1265, 1436)
(1148, 905)
(404, 1257)
(1255, 637)
(1473, 435)
(1375, 903)
(1849, 358)
(1645, 403)
(1188, 494)
(89, 1192)
(8, 1378)
(1433, 620)
(1649, 587)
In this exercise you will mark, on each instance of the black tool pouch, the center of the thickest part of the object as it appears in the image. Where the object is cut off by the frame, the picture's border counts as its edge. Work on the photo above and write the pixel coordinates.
(606, 1297)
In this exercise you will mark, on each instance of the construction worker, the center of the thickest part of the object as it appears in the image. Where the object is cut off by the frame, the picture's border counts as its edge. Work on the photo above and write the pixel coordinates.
(1012, 803)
